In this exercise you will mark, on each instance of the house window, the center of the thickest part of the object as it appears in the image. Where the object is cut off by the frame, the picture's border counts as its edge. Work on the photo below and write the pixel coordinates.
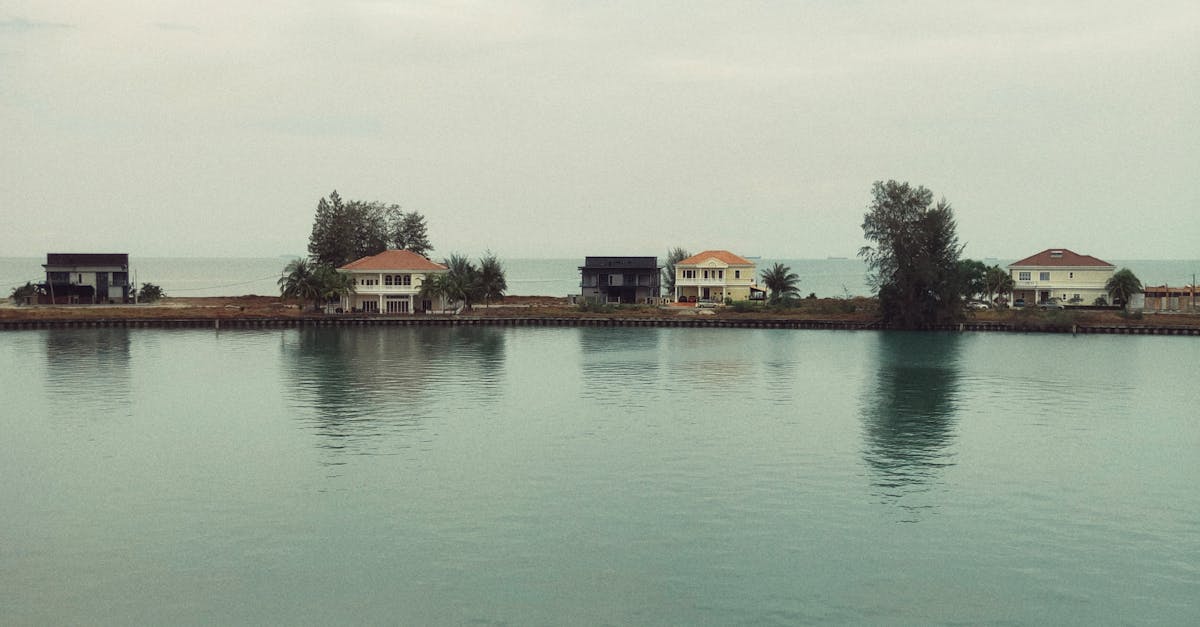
(689, 274)
(737, 274)
(120, 279)
(706, 274)
(1071, 275)
(387, 279)
(1022, 276)
(1043, 276)
(720, 274)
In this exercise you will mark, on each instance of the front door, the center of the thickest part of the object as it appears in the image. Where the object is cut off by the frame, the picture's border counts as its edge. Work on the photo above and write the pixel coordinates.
(1043, 296)
(102, 287)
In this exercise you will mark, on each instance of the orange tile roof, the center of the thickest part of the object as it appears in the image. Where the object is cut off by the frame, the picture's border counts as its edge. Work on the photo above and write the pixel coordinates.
(720, 255)
(394, 260)
(1061, 257)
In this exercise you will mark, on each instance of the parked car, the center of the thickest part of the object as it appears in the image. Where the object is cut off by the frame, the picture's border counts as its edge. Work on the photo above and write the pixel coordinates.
(1020, 302)
(1051, 303)
(706, 303)
(978, 304)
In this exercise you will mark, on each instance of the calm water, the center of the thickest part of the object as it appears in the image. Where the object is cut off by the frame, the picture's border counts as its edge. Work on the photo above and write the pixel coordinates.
(181, 276)
(597, 476)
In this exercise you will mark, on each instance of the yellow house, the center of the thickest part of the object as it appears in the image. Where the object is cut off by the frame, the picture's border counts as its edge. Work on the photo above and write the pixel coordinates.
(390, 282)
(1072, 278)
(715, 275)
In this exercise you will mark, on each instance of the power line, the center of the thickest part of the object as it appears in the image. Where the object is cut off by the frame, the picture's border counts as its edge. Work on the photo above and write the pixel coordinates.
(215, 287)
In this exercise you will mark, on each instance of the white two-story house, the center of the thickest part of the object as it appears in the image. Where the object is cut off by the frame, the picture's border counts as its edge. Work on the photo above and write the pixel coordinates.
(390, 282)
(1072, 278)
(715, 275)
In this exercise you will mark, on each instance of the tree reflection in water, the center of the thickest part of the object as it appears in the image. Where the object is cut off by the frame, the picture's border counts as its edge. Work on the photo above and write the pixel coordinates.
(365, 390)
(908, 418)
(87, 371)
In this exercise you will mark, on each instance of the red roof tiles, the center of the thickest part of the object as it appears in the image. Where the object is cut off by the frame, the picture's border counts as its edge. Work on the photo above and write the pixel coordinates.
(394, 260)
(721, 255)
(1061, 257)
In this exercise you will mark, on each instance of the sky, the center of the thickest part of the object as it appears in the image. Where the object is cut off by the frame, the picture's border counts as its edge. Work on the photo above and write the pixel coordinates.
(565, 129)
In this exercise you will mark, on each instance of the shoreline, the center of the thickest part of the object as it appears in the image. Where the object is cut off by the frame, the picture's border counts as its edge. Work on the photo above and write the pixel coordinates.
(246, 312)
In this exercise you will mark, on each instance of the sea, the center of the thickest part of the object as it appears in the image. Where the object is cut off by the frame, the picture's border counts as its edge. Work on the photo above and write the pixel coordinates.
(233, 276)
(595, 476)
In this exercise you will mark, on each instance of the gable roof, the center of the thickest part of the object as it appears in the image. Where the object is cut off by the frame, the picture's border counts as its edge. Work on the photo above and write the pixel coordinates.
(1061, 257)
(720, 255)
(394, 260)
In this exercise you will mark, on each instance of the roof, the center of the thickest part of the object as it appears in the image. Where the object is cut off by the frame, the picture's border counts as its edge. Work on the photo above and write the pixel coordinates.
(87, 259)
(640, 263)
(1061, 257)
(390, 260)
(720, 255)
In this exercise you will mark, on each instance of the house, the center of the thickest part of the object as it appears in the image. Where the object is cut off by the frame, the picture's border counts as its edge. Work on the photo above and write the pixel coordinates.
(86, 278)
(620, 279)
(715, 275)
(1059, 273)
(1167, 298)
(390, 282)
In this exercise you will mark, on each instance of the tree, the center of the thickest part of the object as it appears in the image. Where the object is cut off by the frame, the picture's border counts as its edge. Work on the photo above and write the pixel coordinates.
(997, 282)
(674, 256)
(972, 276)
(492, 283)
(22, 292)
(1121, 287)
(783, 283)
(345, 231)
(149, 293)
(331, 284)
(300, 281)
(461, 281)
(433, 288)
(914, 264)
(408, 231)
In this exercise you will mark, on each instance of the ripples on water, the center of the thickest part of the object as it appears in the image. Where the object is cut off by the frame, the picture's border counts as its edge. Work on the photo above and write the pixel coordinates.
(644, 476)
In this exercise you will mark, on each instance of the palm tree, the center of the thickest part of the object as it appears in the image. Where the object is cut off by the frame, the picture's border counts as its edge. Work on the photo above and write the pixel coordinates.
(462, 281)
(299, 281)
(783, 283)
(1121, 287)
(433, 288)
(331, 284)
(998, 282)
(492, 283)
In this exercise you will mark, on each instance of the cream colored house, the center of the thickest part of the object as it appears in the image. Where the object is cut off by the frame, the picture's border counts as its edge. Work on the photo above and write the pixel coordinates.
(1072, 278)
(715, 275)
(390, 282)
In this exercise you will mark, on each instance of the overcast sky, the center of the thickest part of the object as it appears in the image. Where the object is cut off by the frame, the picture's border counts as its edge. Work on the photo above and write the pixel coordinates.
(563, 129)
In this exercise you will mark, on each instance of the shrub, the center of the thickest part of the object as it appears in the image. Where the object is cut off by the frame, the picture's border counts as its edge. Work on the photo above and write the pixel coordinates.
(595, 306)
(150, 293)
(22, 292)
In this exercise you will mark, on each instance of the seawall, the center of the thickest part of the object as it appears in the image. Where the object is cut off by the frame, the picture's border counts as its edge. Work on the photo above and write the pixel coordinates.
(552, 321)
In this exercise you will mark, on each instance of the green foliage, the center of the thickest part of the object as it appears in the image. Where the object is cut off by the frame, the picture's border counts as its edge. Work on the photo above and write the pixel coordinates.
(674, 256)
(468, 283)
(595, 306)
(408, 231)
(22, 292)
(972, 277)
(1121, 287)
(745, 306)
(783, 283)
(344, 231)
(315, 283)
(492, 283)
(149, 293)
(914, 263)
(997, 282)
(1100, 302)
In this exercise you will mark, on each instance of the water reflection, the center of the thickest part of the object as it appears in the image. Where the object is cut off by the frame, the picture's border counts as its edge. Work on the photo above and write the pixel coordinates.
(620, 365)
(363, 387)
(87, 371)
(908, 417)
